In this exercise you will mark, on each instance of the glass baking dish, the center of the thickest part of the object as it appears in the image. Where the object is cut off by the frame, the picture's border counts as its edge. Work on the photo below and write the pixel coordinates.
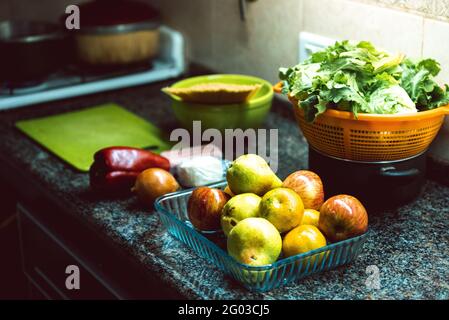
(172, 210)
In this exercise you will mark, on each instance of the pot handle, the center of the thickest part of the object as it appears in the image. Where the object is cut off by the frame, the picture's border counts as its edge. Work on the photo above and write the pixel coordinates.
(399, 177)
(278, 87)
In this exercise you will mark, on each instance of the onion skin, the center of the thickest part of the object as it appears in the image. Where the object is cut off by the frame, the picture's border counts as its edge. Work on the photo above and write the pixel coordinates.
(308, 186)
(153, 183)
(205, 206)
(343, 217)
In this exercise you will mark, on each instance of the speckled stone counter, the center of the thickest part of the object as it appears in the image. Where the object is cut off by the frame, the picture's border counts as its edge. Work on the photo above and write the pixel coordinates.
(409, 246)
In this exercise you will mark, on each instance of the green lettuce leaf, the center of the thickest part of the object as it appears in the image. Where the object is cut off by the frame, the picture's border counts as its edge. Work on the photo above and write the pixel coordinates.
(390, 100)
(361, 78)
(418, 80)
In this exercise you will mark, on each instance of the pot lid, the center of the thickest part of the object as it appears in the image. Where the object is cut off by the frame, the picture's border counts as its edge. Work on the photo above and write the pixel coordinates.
(117, 16)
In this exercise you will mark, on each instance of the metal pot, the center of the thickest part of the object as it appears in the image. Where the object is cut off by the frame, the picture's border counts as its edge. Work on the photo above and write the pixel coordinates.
(117, 33)
(31, 51)
(378, 185)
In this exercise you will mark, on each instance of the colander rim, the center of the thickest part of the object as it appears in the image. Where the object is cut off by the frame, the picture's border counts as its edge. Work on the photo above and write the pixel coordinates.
(346, 115)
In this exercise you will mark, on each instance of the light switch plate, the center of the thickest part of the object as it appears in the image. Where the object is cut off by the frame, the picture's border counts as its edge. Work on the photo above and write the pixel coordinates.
(310, 43)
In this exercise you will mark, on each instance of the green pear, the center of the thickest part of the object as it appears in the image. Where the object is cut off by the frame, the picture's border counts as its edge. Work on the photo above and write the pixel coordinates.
(250, 173)
(240, 207)
(254, 242)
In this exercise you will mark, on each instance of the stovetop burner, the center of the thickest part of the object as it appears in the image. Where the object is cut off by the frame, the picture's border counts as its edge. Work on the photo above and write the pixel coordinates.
(72, 75)
(9, 89)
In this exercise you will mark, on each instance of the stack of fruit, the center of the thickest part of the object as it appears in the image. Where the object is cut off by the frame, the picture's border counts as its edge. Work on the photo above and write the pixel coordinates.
(264, 217)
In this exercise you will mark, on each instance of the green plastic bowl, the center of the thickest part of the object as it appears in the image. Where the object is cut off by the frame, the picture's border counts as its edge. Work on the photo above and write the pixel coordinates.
(224, 116)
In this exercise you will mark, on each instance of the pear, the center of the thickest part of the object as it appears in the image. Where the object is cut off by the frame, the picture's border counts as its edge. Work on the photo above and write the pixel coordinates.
(254, 242)
(250, 173)
(240, 207)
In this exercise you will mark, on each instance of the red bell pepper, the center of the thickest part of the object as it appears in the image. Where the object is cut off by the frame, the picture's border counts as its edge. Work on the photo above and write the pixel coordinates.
(116, 168)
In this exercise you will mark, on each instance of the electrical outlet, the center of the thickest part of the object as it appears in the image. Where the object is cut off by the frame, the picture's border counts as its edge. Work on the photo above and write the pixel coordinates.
(310, 43)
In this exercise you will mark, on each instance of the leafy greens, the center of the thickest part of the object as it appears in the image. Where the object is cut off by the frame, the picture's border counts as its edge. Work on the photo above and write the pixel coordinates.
(363, 79)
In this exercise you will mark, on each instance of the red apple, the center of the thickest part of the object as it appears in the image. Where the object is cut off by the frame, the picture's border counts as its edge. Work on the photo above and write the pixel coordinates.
(204, 208)
(309, 187)
(343, 217)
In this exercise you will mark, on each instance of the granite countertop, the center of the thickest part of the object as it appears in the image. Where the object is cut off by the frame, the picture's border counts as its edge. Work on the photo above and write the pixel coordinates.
(409, 246)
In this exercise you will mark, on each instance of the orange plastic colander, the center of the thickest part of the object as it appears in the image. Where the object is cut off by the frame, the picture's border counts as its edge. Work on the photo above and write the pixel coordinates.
(370, 137)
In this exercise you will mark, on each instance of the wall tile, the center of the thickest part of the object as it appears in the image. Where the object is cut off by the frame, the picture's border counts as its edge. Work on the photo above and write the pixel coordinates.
(44, 10)
(5, 10)
(267, 39)
(343, 19)
(194, 19)
(436, 44)
(436, 9)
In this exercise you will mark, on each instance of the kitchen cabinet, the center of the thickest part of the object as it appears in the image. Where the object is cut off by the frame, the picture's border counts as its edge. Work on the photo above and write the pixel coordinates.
(46, 258)
(12, 280)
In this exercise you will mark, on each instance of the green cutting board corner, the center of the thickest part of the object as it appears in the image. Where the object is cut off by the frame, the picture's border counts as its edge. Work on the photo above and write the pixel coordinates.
(76, 136)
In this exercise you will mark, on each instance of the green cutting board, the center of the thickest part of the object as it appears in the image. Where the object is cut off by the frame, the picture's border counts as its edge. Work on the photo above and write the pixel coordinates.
(76, 136)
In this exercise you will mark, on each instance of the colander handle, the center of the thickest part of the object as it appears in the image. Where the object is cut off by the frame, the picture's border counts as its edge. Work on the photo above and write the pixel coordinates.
(399, 177)
(278, 87)
(444, 110)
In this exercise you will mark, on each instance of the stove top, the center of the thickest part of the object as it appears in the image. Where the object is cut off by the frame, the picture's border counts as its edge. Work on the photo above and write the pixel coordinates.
(76, 81)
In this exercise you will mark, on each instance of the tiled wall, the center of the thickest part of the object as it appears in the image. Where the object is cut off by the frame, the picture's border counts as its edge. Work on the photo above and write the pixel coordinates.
(436, 9)
(269, 37)
(218, 38)
(48, 10)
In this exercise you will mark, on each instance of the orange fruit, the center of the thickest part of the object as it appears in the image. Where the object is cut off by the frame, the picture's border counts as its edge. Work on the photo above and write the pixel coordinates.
(310, 217)
(283, 207)
(302, 239)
